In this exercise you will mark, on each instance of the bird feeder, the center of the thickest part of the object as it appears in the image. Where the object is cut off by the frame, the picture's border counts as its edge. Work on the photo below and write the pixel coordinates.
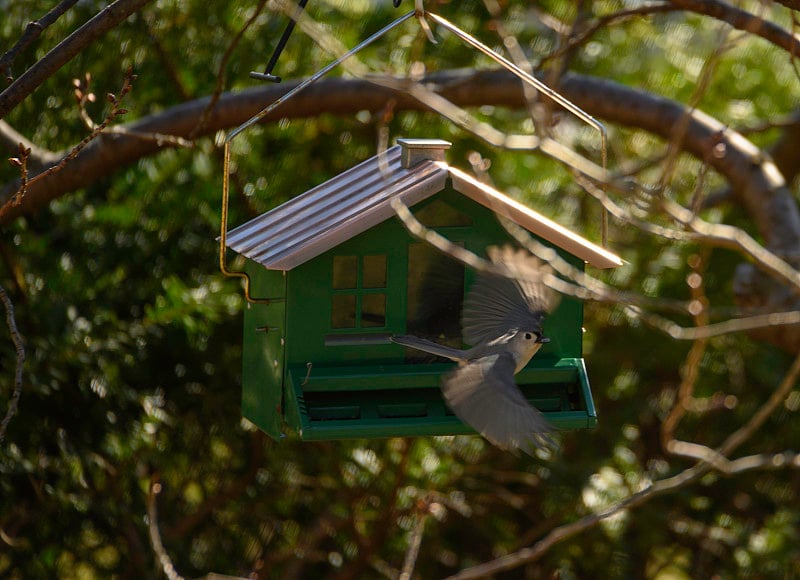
(342, 275)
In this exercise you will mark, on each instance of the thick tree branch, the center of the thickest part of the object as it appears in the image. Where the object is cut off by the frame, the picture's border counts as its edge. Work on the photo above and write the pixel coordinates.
(791, 4)
(756, 180)
(39, 158)
(743, 20)
(66, 50)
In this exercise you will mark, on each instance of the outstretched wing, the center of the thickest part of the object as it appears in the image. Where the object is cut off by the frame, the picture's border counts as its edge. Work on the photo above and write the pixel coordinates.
(483, 394)
(497, 304)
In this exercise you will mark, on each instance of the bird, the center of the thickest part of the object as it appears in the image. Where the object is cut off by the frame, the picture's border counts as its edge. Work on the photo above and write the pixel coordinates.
(502, 318)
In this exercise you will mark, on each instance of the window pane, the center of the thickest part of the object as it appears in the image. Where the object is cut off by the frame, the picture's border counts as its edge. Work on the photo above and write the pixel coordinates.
(374, 275)
(345, 272)
(373, 310)
(344, 311)
(435, 295)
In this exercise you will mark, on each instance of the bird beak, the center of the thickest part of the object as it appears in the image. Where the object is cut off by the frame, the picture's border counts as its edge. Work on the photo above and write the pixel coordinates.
(543, 340)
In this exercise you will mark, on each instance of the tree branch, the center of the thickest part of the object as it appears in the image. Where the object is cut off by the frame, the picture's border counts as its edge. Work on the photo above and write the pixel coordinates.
(164, 560)
(66, 50)
(743, 20)
(18, 346)
(756, 179)
(11, 139)
(32, 32)
(708, 461)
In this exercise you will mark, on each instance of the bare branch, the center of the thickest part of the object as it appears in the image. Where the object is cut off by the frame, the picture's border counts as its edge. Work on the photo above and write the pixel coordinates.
(691, 366)
(581, 36)
(790, 4)
(415, 540)
(96, 130)
(20, 349)
(155, 536)
(757, 420)
(743, 20)
(109, 17)
(708, 461)
(221, 72)
(38, 157)
(743, 324)
(755, 178)
(732, 237)
(32, 32)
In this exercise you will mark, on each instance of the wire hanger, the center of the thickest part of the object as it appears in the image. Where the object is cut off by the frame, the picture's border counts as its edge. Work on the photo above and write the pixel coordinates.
(463, 118)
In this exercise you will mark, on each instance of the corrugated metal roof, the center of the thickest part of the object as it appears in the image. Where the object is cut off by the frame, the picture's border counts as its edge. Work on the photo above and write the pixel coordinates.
(335, 211)
(359, 199)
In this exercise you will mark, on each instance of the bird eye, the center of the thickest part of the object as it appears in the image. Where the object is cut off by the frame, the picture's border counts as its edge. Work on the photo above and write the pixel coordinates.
(528, 336)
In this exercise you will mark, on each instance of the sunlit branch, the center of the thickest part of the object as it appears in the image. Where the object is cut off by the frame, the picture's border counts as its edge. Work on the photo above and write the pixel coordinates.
(700, 231)
(155, 536)
(108, 18)
(201, 122)
(691, 366)
(710, 66)
(707, 462)
(745, 21)
(584, 288)
(743, 324)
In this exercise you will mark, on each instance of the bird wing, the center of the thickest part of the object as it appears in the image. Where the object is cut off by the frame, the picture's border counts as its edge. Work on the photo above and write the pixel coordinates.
(429, 346)
(496, 304)
(483, 394)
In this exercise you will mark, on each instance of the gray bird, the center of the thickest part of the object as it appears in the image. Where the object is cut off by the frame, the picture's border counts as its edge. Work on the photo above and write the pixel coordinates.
(502, 317)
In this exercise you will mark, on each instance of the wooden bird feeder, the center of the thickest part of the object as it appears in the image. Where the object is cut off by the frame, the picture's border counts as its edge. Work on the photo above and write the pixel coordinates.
(343, 274)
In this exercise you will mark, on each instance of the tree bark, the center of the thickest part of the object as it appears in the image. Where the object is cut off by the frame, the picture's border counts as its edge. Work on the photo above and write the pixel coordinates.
(755, 179)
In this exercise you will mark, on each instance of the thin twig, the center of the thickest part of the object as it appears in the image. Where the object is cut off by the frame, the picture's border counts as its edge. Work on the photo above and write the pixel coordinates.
(115, 112)
(32, 31)
(414, 542)
(710, 65)
(155, 536)
(787, 459)
(201, 123)
(108, 18)
(691, 366)
(16, 338)
(700, 231)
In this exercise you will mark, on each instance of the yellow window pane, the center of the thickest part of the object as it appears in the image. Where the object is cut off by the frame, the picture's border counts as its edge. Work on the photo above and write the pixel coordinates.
(373, 310)
(435, 287)
(345, 272)
(374, 273)
(343, 313)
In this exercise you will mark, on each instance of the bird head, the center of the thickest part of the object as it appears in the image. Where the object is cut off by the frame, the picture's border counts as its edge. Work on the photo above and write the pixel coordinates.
(524, 344)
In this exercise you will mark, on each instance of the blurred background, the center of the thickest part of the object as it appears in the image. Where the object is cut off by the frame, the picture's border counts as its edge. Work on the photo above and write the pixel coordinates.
(133, 337)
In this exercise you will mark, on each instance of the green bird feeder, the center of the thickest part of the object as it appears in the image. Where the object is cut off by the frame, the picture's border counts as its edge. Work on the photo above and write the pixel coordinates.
(333, 273)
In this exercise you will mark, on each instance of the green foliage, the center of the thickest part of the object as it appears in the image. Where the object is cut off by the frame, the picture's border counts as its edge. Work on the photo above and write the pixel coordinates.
(134, 338)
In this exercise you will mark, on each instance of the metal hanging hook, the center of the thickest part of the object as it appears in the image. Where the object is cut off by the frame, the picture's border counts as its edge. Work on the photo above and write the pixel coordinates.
(301, 5)
(267, 74)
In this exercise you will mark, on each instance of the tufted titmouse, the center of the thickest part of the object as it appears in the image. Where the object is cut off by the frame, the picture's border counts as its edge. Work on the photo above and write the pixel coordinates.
(502, 317)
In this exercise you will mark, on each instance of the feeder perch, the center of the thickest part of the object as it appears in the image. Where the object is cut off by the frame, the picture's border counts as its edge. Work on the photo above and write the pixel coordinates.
(344, 275)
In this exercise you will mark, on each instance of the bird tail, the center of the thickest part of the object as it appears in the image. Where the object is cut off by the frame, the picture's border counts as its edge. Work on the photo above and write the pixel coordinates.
(429, 347)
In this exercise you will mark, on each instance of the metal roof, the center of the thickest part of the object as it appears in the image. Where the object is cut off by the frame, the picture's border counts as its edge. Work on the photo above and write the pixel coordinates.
(335, 211)
(360, 198)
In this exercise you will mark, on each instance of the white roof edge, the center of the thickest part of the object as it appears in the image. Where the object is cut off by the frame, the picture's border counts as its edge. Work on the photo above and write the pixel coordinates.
(533, 221)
